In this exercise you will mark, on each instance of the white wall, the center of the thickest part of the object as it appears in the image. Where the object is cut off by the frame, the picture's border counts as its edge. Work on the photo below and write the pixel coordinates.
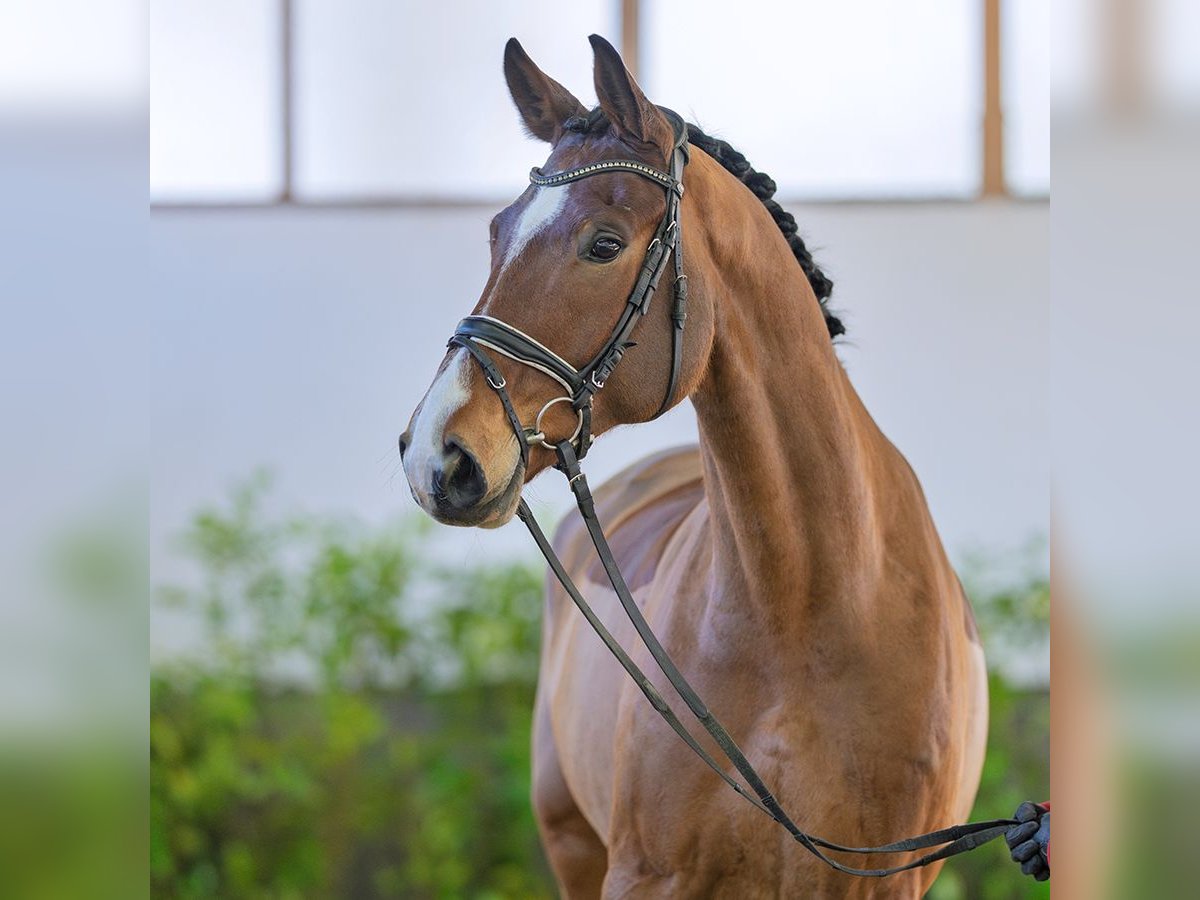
(302, 339)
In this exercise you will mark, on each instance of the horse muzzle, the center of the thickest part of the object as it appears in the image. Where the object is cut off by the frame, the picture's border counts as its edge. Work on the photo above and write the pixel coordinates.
(452, 486)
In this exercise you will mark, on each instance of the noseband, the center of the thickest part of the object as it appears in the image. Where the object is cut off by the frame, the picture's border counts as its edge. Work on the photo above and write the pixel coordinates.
(475, 333)
(479, 334)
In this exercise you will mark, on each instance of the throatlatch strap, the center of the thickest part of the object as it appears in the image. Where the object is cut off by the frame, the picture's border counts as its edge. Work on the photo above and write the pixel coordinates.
(678, 317)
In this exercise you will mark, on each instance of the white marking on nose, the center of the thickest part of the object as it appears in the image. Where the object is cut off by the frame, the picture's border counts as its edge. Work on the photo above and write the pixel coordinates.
(427, 452)
(543, 209)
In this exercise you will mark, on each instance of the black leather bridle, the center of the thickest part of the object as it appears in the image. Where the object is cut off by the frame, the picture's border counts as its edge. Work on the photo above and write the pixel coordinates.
(479, 334)
(474, 333)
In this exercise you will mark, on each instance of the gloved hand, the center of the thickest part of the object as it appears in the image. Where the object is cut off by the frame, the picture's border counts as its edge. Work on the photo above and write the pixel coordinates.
(1029, 840)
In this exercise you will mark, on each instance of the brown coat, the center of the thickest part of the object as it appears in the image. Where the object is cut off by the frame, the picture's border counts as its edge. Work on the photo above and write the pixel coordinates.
(789, 564)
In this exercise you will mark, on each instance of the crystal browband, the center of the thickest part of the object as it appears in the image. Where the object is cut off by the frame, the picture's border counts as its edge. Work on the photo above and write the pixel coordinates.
(536, 176)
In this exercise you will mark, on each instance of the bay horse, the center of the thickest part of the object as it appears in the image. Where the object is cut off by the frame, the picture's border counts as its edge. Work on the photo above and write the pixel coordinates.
(789, 563)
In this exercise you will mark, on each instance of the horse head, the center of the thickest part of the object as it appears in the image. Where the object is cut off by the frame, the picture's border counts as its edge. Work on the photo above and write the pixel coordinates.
(566, 260)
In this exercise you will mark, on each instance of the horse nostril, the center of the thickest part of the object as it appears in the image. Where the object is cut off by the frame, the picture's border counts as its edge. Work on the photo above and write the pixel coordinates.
(404, 439)
(461, 484)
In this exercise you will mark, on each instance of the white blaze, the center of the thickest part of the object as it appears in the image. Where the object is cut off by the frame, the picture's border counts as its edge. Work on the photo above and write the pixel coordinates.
(449, 392)
(545, 206)
(446, 395)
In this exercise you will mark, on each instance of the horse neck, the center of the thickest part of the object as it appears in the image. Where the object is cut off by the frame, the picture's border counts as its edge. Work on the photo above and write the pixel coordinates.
(789, 451)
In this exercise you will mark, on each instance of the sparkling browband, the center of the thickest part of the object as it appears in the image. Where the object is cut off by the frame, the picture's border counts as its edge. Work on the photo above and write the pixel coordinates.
(536, 176)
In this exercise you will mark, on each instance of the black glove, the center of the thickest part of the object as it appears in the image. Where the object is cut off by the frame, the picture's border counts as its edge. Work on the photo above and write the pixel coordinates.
(1029, 840)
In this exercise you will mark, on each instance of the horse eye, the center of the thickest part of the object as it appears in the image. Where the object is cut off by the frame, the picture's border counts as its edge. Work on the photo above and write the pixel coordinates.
(605, 249)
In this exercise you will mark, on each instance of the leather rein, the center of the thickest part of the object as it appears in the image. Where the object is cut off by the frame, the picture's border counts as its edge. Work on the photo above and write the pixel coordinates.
(480, 334)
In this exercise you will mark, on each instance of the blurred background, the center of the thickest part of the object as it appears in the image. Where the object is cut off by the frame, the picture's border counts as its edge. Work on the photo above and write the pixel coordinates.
(341, 692)
(321, 175)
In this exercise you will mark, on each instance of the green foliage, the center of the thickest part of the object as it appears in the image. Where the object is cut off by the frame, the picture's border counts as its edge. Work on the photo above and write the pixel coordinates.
(1014, 618)
(344, 735)
(1016, 768)
(357, 722)
(73, 822)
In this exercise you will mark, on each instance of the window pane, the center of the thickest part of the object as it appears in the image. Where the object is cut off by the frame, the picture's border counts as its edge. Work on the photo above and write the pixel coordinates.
(71, 56)
(832, 99)
(1172, 28)
(214, 99)
(1074, 63)
(1025, 37)
(408, 98)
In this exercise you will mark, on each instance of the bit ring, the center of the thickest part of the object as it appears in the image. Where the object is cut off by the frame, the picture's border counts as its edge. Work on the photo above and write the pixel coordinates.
(537, 423)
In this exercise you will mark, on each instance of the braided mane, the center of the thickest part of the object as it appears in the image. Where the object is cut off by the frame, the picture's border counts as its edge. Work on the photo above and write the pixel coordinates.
(762, 186)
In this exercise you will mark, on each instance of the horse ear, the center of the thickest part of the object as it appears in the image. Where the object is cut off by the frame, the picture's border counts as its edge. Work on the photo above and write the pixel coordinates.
(543, 103)
(628, 110)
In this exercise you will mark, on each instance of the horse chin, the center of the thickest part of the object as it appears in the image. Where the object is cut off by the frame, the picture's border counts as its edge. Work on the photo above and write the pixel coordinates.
(498, 510)
(501, 508)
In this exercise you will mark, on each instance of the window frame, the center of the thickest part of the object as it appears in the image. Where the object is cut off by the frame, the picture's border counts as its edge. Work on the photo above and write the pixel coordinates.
(991, 163)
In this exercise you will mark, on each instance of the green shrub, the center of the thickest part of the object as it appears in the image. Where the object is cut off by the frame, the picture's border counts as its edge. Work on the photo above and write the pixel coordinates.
(355, 722)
